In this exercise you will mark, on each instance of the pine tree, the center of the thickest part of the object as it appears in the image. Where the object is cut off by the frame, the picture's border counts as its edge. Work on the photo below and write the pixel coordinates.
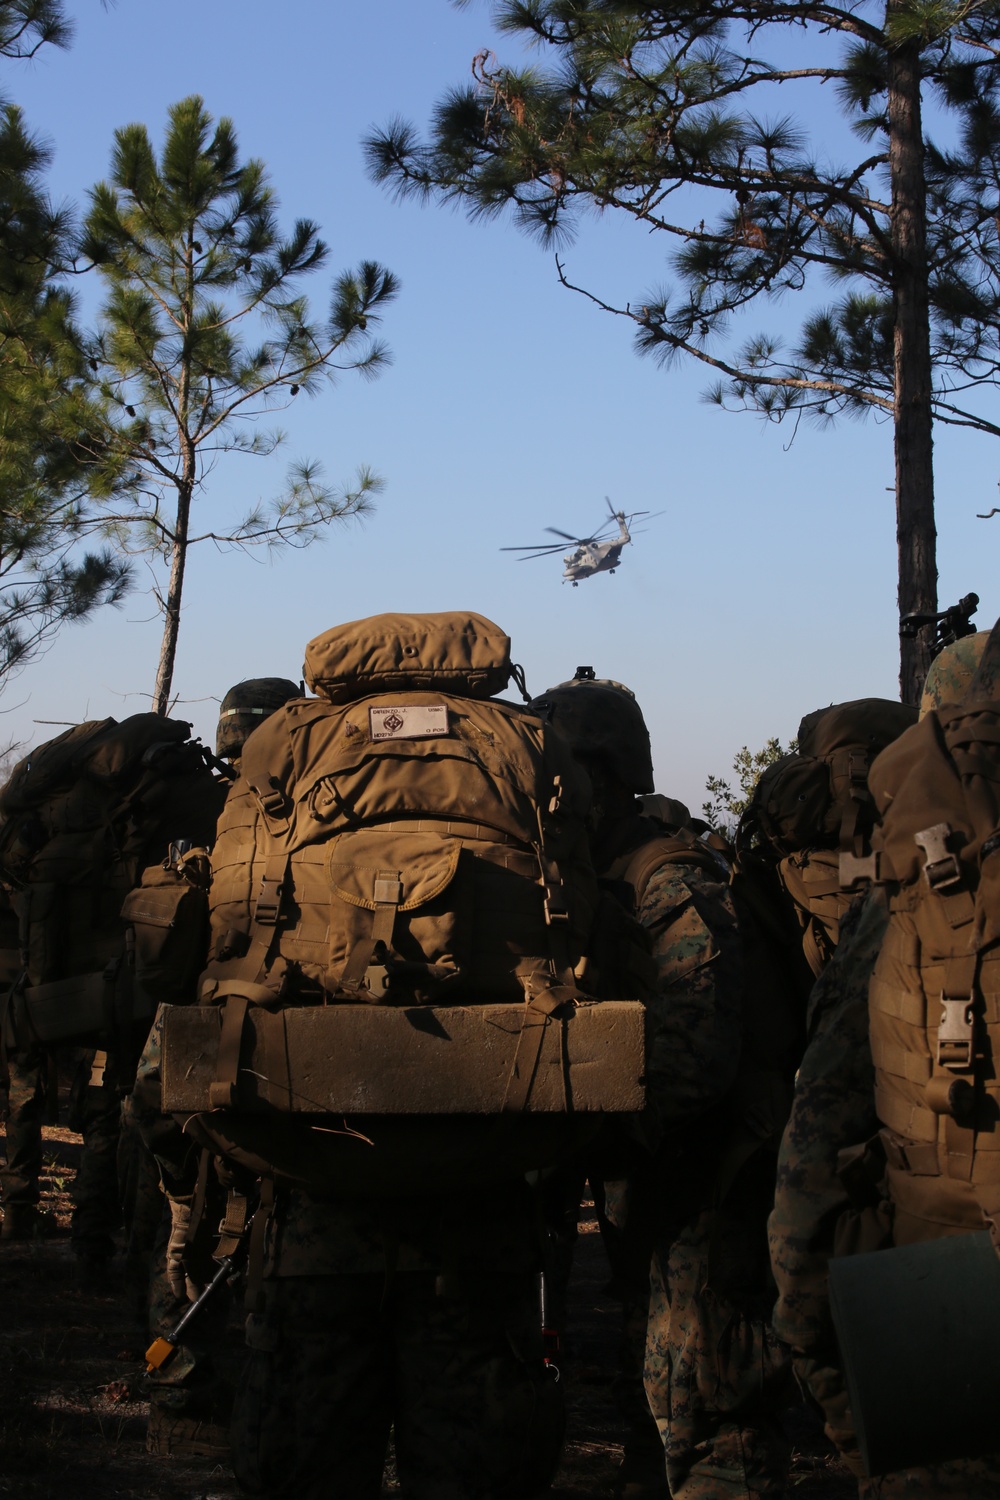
(28, 25)
(49, 418)
(203, 330)
(659, 111)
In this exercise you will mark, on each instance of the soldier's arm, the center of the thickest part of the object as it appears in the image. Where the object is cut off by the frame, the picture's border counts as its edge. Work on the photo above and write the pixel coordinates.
(833, 1109)
(175, 1153)
(694, 1028)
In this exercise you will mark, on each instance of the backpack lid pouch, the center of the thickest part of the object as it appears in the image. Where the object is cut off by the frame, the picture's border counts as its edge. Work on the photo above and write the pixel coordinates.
(424, 864)
(457, 652)
(915, 786)
(793, 801)
(871, 722)
(127, 743)
(50, 767)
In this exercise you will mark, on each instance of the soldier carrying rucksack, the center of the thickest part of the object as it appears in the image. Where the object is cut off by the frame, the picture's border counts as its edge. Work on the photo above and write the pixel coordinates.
(407, 946)
(693, 1193)
(890, 1145)
(81, 819)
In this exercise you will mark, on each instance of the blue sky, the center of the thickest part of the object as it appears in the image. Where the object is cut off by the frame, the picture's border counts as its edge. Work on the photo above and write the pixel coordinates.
(765, 590)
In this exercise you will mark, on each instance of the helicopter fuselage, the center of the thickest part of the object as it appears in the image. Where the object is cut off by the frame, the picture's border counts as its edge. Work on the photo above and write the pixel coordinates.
(598, 553)
(595, 557)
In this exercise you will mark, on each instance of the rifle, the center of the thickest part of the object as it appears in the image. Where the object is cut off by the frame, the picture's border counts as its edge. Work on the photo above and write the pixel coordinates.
(952, 623)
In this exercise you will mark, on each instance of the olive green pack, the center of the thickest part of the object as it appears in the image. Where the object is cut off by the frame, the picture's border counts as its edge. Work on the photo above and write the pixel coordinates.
(776, 977)
(81, 818)
(935, 1022)
(813, 813)
(406, 839)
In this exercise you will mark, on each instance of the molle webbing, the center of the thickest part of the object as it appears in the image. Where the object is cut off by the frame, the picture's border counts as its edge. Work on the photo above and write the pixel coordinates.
(350, 864)
(934, 997)
(812, 881)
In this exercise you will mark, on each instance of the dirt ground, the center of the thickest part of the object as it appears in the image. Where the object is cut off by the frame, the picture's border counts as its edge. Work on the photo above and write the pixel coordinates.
(73, 1413)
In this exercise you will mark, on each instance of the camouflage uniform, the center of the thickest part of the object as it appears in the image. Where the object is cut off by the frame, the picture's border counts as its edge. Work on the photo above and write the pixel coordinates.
(834, 1109)
(419, 1314)
(25, 1112)
(25, 1087)
(191, 1394)
(713, 1368)
(95, 1113)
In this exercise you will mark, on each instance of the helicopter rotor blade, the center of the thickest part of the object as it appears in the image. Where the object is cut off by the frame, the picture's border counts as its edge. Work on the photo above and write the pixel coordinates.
(530, 552)
(535, 546)
(564, 534)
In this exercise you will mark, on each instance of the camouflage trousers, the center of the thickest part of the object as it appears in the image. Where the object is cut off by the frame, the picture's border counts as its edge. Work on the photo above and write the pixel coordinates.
(26, 1107)
(716, 1375)
(143, 1202)
(452, 1364)
(95, 1112)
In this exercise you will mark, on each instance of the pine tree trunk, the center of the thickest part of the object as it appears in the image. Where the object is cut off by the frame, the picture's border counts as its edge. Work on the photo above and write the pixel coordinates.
(916, 536)
(172, 604)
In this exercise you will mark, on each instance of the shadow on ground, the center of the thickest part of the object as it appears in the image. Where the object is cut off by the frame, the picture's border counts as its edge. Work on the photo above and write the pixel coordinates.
(73, 1407)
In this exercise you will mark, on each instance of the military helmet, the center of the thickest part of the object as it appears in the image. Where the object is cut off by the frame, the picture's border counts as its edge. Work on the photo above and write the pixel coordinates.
(246, 706)
(602, 721)
(952, 670)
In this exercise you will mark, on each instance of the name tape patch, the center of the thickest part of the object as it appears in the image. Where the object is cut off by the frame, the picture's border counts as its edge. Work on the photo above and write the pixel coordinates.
(408, 722)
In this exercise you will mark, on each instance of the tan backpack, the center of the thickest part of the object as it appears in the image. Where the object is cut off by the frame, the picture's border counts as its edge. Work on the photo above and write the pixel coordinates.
(935, 1022)
(404, 840)
(407, 843)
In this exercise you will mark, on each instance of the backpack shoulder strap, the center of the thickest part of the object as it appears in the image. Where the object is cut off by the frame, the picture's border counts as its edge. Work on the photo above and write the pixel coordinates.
(639, 866)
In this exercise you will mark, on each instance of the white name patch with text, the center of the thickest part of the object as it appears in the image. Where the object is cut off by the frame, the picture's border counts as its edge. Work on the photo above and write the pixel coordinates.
(408, 722)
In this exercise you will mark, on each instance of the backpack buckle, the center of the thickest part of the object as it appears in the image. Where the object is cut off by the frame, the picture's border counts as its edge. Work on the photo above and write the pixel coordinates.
(272, 888)
(955, 1033)
(377, 980)
(270, 799)
(941, 869)
(855, 867)
(556, 907)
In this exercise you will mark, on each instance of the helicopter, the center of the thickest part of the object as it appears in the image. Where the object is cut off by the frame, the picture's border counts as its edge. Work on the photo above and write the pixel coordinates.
(600, 553)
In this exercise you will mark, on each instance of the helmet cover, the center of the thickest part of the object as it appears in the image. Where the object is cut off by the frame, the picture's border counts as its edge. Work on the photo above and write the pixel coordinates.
(246, 706)
(952, 670)
(602, 721)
